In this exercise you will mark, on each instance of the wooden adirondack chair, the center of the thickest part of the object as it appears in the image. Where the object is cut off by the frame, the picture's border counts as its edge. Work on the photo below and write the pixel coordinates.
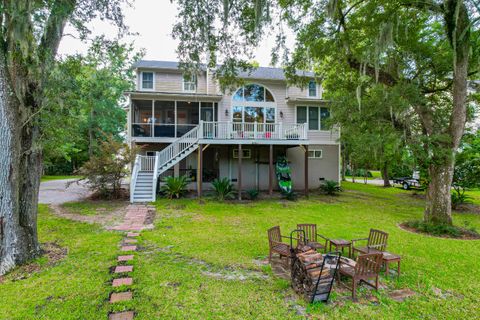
(313, 239)
(376, 243)
(275, 243)
(367, 267)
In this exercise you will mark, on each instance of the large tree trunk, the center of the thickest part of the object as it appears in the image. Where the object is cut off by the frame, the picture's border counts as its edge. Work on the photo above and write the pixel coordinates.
(438, 207)
(386, 180)
(439, 202)
(20, 169)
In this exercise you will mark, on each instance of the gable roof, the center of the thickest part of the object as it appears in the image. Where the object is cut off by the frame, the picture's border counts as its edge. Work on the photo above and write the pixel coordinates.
(258, 73)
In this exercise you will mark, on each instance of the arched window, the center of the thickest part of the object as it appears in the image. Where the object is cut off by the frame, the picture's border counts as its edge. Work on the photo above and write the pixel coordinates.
(253, 103)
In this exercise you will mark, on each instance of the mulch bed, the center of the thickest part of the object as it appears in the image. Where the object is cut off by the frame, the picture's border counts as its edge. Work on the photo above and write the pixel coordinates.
(468, 208)
(466, 234)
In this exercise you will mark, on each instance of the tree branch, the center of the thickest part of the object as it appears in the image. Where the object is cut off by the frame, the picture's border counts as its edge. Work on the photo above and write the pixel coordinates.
(53, 31)
(383, 77)
(424, 4)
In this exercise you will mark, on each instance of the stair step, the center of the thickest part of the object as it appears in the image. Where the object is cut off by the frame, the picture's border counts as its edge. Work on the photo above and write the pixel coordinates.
(143, 188)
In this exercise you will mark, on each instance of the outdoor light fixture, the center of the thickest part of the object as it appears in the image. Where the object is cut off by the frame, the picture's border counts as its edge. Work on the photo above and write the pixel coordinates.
(226, 112)
(281, 114)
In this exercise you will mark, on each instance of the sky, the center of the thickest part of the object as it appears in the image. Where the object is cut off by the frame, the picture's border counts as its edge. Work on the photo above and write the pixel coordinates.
(153, 21)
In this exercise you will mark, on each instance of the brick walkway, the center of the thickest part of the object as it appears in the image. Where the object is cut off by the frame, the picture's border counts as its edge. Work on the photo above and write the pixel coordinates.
(136, 219)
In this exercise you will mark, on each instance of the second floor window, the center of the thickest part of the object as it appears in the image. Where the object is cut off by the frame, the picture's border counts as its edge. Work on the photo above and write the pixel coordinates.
(312, 89)
(190, 83)
(147, 80)
(314, 117)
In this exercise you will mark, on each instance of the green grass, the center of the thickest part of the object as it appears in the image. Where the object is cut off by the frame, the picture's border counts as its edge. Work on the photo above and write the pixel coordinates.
(77, 287)
(194, 240)
(231, 236)
(475, 195)
(50, 178)
(90, 208)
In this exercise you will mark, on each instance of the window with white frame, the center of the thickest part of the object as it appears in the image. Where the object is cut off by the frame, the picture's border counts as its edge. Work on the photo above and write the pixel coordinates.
(246, 153)
(147, 80)
(312, 89)
(253, 103)
(315, 153)
(190, 83)
(315, 117)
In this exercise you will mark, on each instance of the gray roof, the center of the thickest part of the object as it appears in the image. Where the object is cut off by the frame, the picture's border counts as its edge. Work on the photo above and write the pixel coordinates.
(258, 73)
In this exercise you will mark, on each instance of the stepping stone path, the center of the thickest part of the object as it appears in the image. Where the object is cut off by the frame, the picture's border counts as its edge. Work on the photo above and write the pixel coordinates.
(135, 220)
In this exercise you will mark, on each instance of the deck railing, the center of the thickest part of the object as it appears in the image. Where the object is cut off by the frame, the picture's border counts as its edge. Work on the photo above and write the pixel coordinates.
(147, 163)
(252, 131)
(177, 147)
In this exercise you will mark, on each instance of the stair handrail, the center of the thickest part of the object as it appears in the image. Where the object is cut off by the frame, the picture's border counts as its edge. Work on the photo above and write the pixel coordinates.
(178, 146)
(155, 177)
(133, 178)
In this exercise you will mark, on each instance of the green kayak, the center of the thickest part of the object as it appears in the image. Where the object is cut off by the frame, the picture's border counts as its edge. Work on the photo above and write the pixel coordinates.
(283, 172)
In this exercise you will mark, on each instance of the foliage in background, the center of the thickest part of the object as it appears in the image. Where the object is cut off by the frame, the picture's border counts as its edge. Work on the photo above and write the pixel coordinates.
(174, 187)
(85, 104)
(467, 169)
(330, 187)
(104, 172)
(223, 189)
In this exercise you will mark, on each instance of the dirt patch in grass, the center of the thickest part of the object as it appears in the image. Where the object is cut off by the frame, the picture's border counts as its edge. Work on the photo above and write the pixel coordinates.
(105, 213)
(463, 234)
(51, 254)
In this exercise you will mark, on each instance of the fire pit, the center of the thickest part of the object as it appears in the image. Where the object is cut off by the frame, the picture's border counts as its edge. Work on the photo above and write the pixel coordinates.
(312, 274)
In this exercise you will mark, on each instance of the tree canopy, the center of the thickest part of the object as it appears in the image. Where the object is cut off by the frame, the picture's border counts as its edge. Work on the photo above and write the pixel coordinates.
(424, 51)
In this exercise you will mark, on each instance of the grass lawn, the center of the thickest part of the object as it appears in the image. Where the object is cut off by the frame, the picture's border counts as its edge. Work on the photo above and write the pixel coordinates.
(202, 261)
(193, 240)
(75, 287)
(475, 194)
(50, 178)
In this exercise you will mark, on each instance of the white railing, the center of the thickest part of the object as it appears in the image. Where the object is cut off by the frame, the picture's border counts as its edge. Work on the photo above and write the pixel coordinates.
(147, 163)
(176, 148)
(133, 178)
(155, 177)
(252, 131)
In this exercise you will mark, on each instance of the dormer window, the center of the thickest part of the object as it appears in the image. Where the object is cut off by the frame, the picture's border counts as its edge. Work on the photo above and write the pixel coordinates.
(190, 83)
(147, 80)
(312, 89)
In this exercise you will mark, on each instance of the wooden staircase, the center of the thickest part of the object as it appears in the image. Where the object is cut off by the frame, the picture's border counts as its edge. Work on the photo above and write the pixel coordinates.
(143, 184)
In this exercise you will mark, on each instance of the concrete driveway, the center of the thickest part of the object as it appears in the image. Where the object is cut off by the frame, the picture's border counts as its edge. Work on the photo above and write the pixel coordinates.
(376, 182)
(57, 192)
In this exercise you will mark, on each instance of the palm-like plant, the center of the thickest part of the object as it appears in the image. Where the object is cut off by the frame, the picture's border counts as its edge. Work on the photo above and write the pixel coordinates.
(330, 187)
(174, 187)
(223, 189)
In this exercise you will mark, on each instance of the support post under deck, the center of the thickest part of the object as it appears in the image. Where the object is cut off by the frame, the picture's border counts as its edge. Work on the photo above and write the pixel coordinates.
(239, 178)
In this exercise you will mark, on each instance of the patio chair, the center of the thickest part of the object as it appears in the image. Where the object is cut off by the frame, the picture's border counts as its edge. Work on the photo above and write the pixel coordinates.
(367, 267)
(276, 245)
(313, 239)
(376, 243)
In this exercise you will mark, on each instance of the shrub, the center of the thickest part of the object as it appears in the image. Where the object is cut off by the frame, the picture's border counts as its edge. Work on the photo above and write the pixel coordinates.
(253, 194)
(330, 187)
(174, 187)
(291, 196)
(223, 189)
(105, 171)
(459, 198)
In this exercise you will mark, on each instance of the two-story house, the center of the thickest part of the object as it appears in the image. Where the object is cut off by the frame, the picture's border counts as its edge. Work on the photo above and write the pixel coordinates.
(187, 126)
